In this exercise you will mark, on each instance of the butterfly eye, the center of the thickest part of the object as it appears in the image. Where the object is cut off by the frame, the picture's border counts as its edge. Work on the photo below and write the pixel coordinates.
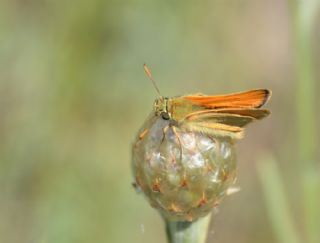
(165, 115)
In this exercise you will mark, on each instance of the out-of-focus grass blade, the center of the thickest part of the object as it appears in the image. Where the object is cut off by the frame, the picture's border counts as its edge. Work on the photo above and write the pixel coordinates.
(276, 201)
(311, 198)
(303, 16)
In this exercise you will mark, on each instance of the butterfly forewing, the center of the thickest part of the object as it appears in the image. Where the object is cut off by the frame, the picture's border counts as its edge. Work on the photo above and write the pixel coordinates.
(248, 99)
(225, 114)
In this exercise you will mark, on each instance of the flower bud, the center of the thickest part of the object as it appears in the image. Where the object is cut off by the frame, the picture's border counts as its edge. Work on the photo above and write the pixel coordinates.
(183, 174)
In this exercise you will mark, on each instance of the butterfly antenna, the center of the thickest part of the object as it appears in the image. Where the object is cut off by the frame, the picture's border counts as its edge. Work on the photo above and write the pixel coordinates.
(148, 72)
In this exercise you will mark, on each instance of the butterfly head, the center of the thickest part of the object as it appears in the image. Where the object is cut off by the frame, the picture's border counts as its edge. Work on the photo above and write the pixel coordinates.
(160, 107)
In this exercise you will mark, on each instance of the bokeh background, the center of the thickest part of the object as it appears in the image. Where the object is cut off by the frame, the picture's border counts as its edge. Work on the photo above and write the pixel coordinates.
(73, 94)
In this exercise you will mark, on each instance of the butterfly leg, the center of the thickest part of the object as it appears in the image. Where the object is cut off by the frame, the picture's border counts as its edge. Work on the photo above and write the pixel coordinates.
(178, 138)
(174, 130)
(164, 131)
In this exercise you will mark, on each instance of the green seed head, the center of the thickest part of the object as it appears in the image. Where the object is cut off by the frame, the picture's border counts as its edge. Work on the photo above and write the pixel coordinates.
(183, 174)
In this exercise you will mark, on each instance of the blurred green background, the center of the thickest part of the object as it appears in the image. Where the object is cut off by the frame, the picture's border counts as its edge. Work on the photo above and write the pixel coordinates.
(73, 94)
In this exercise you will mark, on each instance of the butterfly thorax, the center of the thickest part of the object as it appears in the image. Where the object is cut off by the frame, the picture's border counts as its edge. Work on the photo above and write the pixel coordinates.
(176, 108)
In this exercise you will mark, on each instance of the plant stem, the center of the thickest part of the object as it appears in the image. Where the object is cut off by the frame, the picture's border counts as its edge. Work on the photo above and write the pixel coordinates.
(188, 232)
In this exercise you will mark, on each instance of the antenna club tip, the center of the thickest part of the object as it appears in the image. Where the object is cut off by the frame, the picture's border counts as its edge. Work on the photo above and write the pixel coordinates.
(145, 67)
(148, 72)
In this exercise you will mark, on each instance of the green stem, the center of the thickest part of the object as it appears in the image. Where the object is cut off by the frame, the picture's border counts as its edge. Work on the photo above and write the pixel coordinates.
(188, 232)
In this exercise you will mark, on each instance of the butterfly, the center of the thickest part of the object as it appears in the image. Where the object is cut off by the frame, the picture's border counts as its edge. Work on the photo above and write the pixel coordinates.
(218, 115)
